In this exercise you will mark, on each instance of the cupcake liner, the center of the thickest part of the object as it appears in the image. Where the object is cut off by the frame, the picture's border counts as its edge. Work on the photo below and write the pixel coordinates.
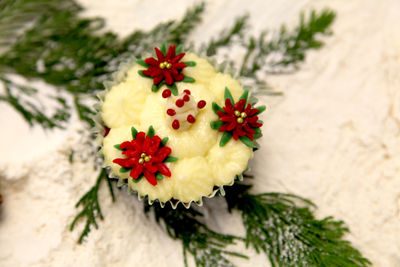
(99, 128)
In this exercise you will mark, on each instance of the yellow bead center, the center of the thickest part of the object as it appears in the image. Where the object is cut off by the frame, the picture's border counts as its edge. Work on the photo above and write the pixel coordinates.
(144, 158)
(240, 116)
(165, 64)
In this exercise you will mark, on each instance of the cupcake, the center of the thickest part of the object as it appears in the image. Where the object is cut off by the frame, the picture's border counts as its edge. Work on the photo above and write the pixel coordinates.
(176, 129)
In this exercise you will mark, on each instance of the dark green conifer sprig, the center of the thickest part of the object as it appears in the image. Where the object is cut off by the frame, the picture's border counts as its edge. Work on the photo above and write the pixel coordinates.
(287, 47)
(284, 228)
(24, 99)
(90, 206)
(205, 245)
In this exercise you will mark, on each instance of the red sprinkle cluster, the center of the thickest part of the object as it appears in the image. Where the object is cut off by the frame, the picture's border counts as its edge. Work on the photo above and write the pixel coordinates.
(180, 102)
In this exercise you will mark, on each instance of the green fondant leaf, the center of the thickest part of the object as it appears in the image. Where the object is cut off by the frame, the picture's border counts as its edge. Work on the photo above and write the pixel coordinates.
(138, 179)
(122, 169)
(178, 49)
(151, 132)
(142, 63)
(154, 88)
(188, 79)
(245, 95)
(190, 63)
(134, 132)
(163, 49)
(245, 140)
(258, 133)
(159, 176)
(141, 74)
(225, 139)
(260, 109)
(216, 124)
(173, 88)
(117, 147)
(171, 159)
(164, 141)
(216, 108)
(227, 95)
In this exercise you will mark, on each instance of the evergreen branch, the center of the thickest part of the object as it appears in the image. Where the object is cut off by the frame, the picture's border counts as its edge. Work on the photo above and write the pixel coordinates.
(18, 15)
(226, 36)
(204, 244)
(21, 98)
(284, 228)
(284, 50)
(91, 207)
(180, 31)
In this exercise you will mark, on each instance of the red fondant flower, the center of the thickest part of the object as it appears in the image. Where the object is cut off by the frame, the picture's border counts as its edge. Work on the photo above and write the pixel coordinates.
(144, 156)
(165, 67)
(238, 119)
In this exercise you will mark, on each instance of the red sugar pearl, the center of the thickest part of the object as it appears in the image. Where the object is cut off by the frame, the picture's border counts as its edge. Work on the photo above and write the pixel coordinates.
(175, 124)
(201, 104)
(186, 91)
(186, 98)
(190, 119)
(179, 103)
(171, 112)
(166, 93)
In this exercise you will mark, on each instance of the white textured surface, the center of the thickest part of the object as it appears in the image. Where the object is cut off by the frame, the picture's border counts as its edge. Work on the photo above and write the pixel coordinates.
(333, 137)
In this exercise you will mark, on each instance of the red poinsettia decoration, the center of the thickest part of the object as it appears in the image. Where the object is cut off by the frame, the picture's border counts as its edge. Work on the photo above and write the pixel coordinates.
(165, 67)
(238, 120)
(145, 156)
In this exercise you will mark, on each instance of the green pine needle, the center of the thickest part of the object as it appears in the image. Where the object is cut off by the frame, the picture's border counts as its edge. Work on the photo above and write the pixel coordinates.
(205, 245)
(90, 206)
(284, 228)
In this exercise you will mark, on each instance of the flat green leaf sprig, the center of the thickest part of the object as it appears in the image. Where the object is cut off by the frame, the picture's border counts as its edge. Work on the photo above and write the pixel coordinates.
(167, 68)
(238, 120)
(145, 156)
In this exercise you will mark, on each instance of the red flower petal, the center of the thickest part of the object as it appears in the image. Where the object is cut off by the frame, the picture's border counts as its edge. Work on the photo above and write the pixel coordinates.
(248, 129)
(158, 79)
(220, 113)
(179, 77)
(248, 110)
(235, 135)
(168, 78)
(163, 169)
(252, 119)
(232, 125)
(227, 118)
(179, 65)
(140, 138)
(150, 177)
(229, 106)
(224, 128)
(240, 105)
(146, 144)
(134, 154)
(240, 130)
(161, 154)
(151, 61)
(154, 144)
(171, 52)
(250, 136)
(136, 171)
(256, 125)
(150, 167)
(126, 145)
(126, 163)
(177, 58)
(160, 55)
